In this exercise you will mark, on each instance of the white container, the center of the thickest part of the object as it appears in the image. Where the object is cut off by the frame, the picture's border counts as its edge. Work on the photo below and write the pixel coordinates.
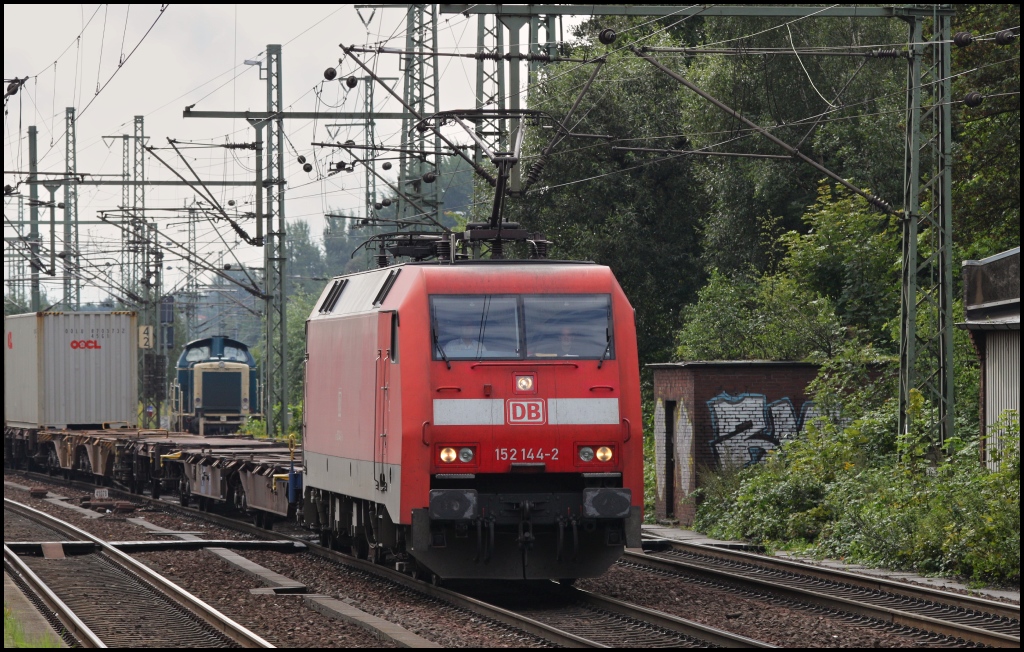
(70, 369)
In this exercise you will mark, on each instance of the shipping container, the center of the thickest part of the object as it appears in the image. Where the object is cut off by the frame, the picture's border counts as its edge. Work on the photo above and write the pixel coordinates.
(70, 370)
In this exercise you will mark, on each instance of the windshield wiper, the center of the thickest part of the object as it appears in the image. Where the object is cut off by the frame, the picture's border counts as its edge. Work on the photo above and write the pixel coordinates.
(433, 332)
(607, 347)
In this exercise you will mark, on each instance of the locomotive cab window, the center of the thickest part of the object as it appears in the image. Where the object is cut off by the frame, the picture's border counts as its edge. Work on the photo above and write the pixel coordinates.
(568, 326)
(503, 327)
(198, 354)
(475, 327)
(235, 354)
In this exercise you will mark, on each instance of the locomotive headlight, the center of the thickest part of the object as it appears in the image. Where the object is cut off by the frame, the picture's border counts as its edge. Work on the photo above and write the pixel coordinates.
(465, 455)
(524, 383)
(448, 454)
(604, 454)
(586, 453)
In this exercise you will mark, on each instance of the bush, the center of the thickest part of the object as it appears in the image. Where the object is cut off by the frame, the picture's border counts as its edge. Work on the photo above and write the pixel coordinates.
(859, 493)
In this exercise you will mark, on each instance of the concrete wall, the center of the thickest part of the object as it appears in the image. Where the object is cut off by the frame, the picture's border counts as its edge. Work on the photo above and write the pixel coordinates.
(719, 414)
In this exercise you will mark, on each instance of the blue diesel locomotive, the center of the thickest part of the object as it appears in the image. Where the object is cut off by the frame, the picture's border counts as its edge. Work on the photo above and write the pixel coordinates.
(216, 388)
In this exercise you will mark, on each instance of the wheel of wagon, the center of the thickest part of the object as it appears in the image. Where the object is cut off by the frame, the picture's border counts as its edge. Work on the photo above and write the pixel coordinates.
(326, 539)
(360, 547)
(268, 521)
(52, 461)
(376, 554)
(184, 491)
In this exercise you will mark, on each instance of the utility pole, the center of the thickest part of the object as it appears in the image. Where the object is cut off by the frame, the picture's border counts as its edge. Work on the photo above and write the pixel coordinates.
(421, 94)
(33, 211)
(128, 279)
(419, 198)
(72, 284)
(16, 264)
(926, 345)
(191, 280)
(490, 84)
(274, 256)
(270, 181)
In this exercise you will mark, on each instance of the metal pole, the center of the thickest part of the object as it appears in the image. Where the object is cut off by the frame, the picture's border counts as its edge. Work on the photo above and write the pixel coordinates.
(72, 282)
(514, 24)
(33, 211)
(276, 388)
(926, 316)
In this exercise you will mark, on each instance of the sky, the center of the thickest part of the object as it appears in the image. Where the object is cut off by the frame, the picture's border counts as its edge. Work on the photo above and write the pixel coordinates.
(114, 62)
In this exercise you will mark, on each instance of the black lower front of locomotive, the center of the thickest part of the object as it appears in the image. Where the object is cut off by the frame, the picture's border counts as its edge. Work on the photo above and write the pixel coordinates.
(472, 534)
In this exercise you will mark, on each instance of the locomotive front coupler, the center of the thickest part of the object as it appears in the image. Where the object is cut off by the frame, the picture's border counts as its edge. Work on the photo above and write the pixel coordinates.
(484, 539)
(525, 538)
(574, 523)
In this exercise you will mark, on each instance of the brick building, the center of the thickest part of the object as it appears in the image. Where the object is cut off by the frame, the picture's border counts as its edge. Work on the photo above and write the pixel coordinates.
(714, 414)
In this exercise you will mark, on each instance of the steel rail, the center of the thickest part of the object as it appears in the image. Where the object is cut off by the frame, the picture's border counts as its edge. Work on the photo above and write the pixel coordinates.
(713, 635)
(215, 619)
(819, 599)
(923, 593)
(15, 566)
(523, 623)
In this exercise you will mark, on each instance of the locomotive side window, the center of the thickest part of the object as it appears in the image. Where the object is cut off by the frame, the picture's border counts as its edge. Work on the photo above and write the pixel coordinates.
(475, 327)
(568, 326)
(478, 327)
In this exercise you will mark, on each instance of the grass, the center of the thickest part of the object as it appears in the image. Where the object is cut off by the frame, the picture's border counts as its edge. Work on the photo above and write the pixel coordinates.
(15, 637)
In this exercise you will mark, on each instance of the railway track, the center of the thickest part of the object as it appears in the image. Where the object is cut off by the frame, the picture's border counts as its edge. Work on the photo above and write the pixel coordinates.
(560, 615)
(930, 611)
(576, 618)
(564, 616)
(104, 598)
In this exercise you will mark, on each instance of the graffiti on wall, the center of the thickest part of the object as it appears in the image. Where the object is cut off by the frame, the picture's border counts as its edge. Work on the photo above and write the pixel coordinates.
(746, 427)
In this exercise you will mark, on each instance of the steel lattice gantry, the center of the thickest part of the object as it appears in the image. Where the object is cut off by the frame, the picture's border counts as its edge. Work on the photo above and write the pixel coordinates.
(421, 95)
(926, 326)
(275, 386)
(72, 283)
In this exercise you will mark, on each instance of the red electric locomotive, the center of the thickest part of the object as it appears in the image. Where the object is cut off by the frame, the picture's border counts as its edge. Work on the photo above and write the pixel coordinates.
(476, 418)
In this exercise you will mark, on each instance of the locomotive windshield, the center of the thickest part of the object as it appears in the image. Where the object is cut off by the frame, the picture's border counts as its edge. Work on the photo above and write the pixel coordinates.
(505, 327)
(235, 354)
(198, 354)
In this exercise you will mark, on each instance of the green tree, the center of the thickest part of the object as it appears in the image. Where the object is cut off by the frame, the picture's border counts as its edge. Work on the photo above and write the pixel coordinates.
(859, 134)
(849, 253)
(769, 317)
(986, 138)
(306, 270)
(616, 208)
(299, 308)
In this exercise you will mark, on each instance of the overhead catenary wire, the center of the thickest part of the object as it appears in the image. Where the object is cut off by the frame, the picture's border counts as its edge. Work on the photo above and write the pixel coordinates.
(342, 190)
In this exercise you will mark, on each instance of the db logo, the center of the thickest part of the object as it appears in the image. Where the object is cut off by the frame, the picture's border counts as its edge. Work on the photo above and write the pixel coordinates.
(525, 412)
(85, 344)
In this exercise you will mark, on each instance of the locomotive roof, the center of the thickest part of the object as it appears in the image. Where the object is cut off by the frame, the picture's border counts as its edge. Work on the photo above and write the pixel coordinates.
(371, 290)
(209, 340)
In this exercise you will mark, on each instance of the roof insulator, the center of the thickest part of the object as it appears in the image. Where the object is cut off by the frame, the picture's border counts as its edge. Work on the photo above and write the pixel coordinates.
(1005, 37)
(963, 39)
